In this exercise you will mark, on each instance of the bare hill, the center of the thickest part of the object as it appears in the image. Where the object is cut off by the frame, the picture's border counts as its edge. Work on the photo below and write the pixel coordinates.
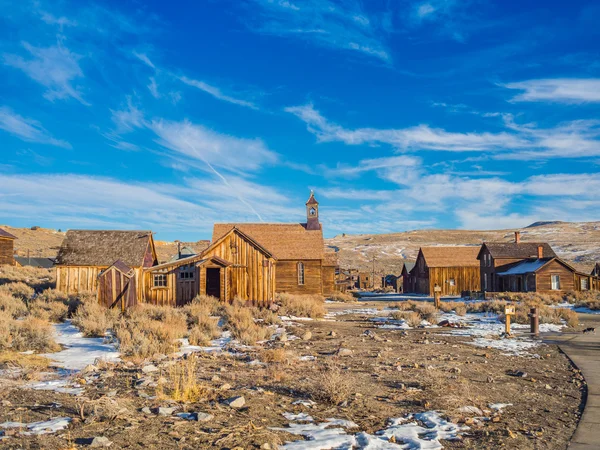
(578, 243)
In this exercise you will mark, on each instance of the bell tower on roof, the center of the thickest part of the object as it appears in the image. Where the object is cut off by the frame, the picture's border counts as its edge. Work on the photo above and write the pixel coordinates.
(312, 213)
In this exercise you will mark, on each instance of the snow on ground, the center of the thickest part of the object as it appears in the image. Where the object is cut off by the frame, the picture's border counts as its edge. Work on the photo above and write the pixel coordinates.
(578, 309)
(79, 351)
(49, 426)
(415, 432)
(62, 385)
(216, 345)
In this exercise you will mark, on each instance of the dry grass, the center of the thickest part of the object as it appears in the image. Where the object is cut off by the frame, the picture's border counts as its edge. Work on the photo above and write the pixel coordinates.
(94, 319)
(460, 310)
(274, 355)
(412, 318)
(38, 279)
(23, 361)
(27, 334)
(342, 297)
(149, 330)
(50, 305)
(243, 327)
(302, 305)
(181, 382)
(11, 306)
(331, 386)
(18, 290)
(428, 312)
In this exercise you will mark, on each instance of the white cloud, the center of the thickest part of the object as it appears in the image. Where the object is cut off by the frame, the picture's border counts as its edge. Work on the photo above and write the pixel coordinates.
(129, 118)
(27, 129)
(217, 93)
(61, 21)
(55, 68)
(199, 143)
(339, 25)
(144, 58)
(153, 88)
(563, 90)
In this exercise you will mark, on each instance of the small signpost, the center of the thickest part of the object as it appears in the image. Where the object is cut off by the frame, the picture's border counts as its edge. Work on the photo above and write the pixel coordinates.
(437, 294)
(509, 310)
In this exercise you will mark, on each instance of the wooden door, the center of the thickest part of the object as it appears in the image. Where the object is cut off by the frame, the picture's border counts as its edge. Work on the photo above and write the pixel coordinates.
(186, 285)
(213, 282)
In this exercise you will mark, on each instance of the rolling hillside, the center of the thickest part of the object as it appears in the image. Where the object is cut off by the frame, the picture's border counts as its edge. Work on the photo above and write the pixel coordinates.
(578, 243)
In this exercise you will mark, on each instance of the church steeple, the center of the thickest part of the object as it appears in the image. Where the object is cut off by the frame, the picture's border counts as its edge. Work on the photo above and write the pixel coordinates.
(312, 213)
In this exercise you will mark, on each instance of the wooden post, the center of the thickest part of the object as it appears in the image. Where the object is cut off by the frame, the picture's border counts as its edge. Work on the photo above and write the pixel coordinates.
(508, 311)
(535, 321)
(437, 294)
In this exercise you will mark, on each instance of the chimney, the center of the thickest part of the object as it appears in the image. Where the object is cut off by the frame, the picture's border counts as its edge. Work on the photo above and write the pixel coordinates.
(517, 237)
(540, 252)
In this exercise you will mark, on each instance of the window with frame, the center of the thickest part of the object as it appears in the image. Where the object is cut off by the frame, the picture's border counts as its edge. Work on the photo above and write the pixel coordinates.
(485, 281)
(585, 284)
(555, 282)
(160, 280)
(187, 272)
(300, 273)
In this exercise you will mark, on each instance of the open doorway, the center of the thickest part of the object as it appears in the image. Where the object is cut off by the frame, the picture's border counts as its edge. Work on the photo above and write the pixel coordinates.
(213, 282)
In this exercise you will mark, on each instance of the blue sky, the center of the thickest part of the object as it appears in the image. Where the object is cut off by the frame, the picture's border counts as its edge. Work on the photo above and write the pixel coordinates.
(400, 115)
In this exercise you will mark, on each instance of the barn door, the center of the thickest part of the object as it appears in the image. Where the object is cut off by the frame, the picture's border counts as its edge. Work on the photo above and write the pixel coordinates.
(213, 282)
(186, 284)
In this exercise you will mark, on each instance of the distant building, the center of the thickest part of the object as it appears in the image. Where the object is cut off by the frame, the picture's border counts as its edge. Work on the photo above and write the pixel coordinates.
(7, 248)
(453, 269)
(38, 262)
(596, 270)
(408, 282)
(364, 280)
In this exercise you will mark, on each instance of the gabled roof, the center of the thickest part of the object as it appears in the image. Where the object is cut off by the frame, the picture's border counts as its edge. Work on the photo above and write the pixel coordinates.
(44, 263)
(104, 247)
(286, 241)
(596, 270)
(408, 266)
(185, 252)
(312, 200)
(532, 265)
(450, 256)
(196, 260)
(5, 234)
(521, 250)
(123, 268)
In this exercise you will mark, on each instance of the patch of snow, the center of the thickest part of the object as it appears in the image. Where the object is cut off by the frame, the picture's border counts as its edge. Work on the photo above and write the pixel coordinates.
(79, 351)
(578, 309)
(499, 406)
(47, 427)
(63, 386)
(300, 417)
(307, 358)
(216, 345)
(307, 403)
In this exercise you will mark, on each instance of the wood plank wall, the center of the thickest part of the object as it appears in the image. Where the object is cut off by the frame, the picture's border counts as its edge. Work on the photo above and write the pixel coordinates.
(328, 277)
(116, 290)
(7, 251)
(465, 279)
(287, 277)
(544, 277)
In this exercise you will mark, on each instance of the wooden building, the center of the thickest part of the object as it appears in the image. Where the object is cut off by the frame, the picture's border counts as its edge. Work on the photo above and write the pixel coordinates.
(498, 257)
(7, 248)
(364, 281)
(37, 262)
(596, 270)
(233, 266)
(538, 275)
(302, 267)
(408, 283)
(117, 286)
(86, 254)
(454, 269)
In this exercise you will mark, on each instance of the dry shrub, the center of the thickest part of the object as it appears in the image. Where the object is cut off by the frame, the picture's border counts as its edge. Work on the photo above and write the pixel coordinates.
(203, 326)
(302, 305)
(23, 361)
(30, 333)
(273, 355)
(569, 316)
(94, 319)
(342, 297)
(243, 327)
(266, 316)
(428, 312)
(585, 299)
(149, 330)
(331, 385)
(51, 305)
(448, 306)
(38, 279)
(11, 306)
(181, 382)
(212, 304)
(408, 305)
(18, 290)
(412, 318)
(460, 310)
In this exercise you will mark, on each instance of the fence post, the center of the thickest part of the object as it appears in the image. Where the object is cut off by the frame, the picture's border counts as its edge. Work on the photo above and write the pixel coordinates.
(535, 321)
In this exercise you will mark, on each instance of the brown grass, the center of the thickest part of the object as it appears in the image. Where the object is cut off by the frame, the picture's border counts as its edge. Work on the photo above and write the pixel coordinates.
(30, 333)
(342, 297)
(243, 327)
(302, 305)
(94, 319)
(331, 386)
(182, 382)
(274, 355)
(38, 279)
(18, 290)
(11, 306)
(412, 318)
(23, 361)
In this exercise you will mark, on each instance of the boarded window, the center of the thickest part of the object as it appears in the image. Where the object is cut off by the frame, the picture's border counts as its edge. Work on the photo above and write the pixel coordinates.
(300, 273)
(585, 284)
(555, 282)
(160, 280)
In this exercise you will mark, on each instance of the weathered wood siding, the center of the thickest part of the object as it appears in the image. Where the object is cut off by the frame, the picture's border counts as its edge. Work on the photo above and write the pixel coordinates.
(465, 279)
(252, 273)
(544, 277)
(7, 251)
(328, 277)
(163, 295)
(76, 279)
(116, 290)
(287, 277)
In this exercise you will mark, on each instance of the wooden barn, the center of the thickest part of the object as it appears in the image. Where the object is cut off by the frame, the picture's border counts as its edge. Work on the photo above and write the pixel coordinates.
(408, 284)
(302, 267)
(454, 269)
(499, 257)
(7, 248)
(233, 266)
(86, 254)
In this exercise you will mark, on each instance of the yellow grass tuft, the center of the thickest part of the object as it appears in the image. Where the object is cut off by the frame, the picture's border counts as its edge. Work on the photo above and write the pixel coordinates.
(302, 305)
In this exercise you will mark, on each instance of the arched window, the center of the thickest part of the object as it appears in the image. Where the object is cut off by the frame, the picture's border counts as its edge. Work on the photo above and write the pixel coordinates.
(300, 273)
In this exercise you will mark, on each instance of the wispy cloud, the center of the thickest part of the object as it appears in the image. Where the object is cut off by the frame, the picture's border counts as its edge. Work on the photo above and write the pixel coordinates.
(560, 90)
(335, 24)
(27, 129)
(447, 15)
(217, 93)
(56, 68)
(574, 139)
(144, 58)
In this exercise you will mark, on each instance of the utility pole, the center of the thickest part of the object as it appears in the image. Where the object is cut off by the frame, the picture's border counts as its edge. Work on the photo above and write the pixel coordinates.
(373, 273)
